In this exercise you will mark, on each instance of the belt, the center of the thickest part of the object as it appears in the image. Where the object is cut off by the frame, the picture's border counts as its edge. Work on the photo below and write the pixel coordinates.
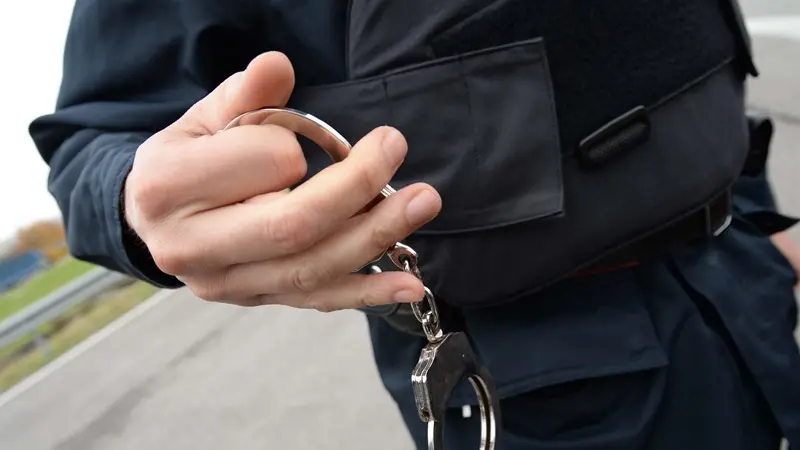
(710, 220)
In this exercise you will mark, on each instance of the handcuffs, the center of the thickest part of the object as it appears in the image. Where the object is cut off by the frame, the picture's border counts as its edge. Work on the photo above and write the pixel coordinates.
(448, 358)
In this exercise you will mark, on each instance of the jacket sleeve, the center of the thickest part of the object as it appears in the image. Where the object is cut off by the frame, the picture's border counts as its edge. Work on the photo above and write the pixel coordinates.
(130, 68)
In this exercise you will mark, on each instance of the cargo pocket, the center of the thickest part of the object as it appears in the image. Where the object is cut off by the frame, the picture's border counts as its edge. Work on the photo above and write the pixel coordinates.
(580, 360)
(482, 129)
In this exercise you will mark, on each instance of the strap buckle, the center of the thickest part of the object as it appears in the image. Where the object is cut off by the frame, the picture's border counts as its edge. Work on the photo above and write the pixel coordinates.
(719, 214)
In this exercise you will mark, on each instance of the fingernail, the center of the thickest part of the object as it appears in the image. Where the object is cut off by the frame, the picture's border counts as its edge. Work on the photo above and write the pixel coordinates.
(395, 146)
(422, 208)
(406, 296)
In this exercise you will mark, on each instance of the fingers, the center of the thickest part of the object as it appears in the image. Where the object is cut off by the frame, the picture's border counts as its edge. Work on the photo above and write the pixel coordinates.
(348, 292)
(187, 164)
(321, 278)
(356, 291)
(344, 189)
(267, 81)
(214, 208)
(234, 166)
(169, 183)
(352, 247)
(250, 232)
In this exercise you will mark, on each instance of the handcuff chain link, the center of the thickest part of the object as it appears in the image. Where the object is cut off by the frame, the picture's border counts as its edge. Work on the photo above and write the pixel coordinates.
(406, 259)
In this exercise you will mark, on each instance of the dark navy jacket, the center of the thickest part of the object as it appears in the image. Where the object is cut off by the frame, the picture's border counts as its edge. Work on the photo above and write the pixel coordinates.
(131, 67)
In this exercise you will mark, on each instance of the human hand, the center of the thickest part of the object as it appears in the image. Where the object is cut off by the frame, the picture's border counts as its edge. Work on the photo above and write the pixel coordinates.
(214, 210)
(789, 248)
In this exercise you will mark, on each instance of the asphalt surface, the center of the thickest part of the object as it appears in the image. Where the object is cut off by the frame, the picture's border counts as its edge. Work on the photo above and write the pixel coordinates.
(192, 375)
(185, 374)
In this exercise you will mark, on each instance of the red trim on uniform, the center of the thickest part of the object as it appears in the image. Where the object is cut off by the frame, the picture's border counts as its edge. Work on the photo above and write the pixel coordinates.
(603, 270)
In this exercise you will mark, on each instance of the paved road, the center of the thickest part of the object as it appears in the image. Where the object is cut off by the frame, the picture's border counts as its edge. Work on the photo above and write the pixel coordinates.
(191, 375)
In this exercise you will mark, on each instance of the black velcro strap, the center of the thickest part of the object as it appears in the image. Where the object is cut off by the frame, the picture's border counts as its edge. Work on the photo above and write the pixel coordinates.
(615, 138)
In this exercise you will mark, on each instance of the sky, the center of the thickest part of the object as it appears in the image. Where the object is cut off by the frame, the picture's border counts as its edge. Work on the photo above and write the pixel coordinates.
(31, 42)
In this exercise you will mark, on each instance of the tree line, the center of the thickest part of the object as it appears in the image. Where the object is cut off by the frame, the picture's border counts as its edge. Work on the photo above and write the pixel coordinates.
(45, 236)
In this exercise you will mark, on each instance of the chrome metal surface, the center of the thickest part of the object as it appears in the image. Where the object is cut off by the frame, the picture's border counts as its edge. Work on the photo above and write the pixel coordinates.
(308, 126)
(304, 124)
(405, 258)
(441, 367)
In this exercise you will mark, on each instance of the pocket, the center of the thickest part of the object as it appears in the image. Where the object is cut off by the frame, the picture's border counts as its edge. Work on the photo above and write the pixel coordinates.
(481, 129)
(589, 328)
(616, 409)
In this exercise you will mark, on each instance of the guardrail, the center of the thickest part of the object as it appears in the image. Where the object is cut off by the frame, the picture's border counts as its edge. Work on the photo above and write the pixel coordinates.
(55, 304)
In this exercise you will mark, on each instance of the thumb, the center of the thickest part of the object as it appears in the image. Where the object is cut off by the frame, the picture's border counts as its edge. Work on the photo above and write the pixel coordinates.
(267, 81)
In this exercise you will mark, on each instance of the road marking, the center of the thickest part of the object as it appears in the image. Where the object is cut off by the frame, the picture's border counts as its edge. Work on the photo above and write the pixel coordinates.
(83, 347)
(783, 26)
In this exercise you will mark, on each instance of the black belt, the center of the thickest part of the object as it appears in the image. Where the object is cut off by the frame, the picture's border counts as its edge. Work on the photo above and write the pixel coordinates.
(710, 220)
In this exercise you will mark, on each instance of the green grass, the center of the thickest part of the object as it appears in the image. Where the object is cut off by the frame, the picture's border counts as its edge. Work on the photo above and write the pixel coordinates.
(41, 284)
(82, 324)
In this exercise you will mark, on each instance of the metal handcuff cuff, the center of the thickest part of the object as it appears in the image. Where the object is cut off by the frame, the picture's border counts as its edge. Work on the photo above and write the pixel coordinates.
(448, 358)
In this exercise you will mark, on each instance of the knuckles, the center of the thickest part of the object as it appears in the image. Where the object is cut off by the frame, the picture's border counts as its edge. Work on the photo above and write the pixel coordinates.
(288, 230)
(147, 197)
(176, 254)
(212, 290)
(272, 148)
(308, 277)
(287, 154)
(149, 192)
(321, 304)
(367, 179)
(214, 287)
(382, 237)
(171, 261)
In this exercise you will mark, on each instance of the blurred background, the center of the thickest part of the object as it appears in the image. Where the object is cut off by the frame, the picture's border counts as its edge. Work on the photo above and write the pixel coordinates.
(92, 360)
